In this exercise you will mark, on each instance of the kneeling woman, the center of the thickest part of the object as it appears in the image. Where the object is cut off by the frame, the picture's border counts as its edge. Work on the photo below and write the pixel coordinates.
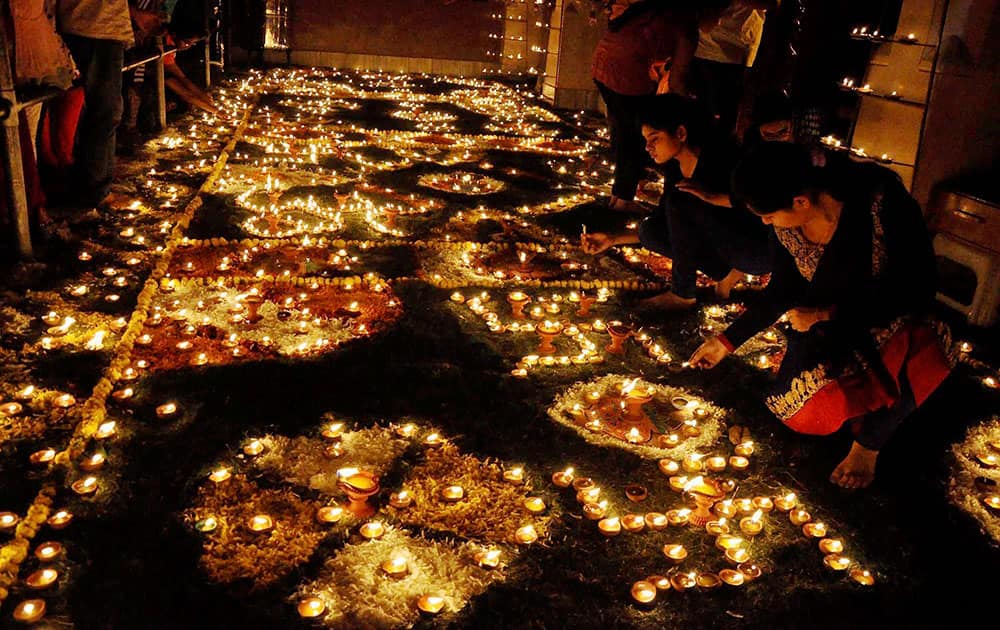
(853, 268)
(695, 224)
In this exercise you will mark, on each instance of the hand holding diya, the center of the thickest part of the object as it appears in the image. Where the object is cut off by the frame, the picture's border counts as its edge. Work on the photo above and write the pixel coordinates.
(359, 486)
(548, 331)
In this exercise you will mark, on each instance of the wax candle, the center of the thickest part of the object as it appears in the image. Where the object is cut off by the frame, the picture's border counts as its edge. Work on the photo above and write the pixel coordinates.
(799, 517)
(728, 541)
(726, 508)
(260, 523)
(737, 555)
(831, 545)
(717, 527)
(862, 577)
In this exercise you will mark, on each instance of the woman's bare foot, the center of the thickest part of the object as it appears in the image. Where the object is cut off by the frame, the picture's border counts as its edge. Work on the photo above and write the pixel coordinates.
(857, 470)
(668, 301)
(725, 286)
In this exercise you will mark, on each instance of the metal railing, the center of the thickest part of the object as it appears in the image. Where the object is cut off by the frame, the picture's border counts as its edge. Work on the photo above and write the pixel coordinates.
(11, 103)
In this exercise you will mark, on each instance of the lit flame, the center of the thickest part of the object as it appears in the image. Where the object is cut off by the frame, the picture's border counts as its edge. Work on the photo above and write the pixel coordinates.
(97, 341)
(628, 386)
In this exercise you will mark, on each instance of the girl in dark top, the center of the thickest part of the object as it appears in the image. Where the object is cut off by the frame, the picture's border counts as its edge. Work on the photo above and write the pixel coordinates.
(853, 269)
(695, 224)
(629, 63)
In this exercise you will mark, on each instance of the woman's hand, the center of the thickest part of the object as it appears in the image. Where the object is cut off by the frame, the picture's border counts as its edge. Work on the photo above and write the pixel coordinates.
(802, 319)
(708, 354)
(692, 187)
(596, 243)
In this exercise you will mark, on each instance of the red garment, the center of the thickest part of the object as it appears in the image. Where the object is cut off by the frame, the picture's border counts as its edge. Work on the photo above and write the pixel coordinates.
(622, 58)
(915, 348)
(58, 129)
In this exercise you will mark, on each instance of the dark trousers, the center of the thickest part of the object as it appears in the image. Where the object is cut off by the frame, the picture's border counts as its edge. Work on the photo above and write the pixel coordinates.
(100, 63)
(627, 144)
(873, 430)
(697, 235)
(720, 87)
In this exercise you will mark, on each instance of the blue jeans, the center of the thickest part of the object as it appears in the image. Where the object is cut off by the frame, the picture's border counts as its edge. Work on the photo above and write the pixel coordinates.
(100, 62)
(698, 235)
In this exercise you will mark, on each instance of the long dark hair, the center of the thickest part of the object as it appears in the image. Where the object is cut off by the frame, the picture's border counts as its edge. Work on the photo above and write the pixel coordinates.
(668, 112)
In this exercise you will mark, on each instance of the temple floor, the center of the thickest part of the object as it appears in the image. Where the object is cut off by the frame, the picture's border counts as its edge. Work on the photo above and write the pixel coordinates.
(341, 363)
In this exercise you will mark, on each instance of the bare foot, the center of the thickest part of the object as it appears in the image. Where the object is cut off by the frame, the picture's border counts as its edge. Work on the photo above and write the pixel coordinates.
(668, 301)
(857, 470)
(724, 286)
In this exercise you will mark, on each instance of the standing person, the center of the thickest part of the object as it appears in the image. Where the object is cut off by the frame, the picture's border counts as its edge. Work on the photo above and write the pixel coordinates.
(695, 224)
(629, 63)
(97, 33)
(726, 49)
(853, 269)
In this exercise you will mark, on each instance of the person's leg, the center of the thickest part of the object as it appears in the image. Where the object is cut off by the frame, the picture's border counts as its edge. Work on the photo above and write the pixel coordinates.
(654, 234)
(871, 432)
(627, 144)
(100, 63)
(690, 223)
